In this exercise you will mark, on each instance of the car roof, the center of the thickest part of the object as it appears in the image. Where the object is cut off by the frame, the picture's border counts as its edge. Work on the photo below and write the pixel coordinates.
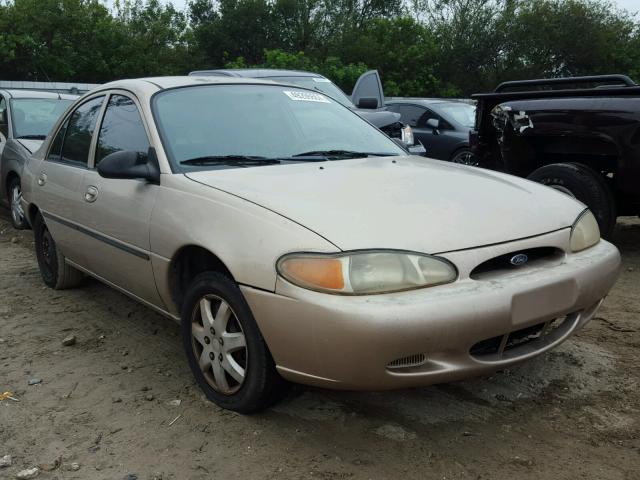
(151, 85)
(255, 73)
(15, 93)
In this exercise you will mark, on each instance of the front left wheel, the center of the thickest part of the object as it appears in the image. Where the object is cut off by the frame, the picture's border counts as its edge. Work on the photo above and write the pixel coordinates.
(225, 349)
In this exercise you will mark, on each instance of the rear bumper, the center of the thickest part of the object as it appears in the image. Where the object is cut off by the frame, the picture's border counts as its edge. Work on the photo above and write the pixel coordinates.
(348, 342)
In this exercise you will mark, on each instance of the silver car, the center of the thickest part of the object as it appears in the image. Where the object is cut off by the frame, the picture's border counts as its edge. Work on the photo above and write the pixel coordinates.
(316, 251)
(26, 116)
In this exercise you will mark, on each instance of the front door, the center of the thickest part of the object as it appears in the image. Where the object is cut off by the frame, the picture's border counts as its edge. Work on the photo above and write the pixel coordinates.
(118, 211)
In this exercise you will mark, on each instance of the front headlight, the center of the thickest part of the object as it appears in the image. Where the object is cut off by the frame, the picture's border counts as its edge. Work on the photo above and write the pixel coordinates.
(585, 232)
(407, 135)
(365, 272)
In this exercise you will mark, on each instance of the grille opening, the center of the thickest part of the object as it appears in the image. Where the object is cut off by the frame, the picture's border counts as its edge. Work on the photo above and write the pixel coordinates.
(414, 360)
(497, 346)
(502, 263)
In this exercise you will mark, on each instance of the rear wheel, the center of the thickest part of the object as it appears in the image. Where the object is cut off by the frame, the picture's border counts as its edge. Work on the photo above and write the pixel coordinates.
(55, 271)
(15, 196)
(584, 184)
(225, 349)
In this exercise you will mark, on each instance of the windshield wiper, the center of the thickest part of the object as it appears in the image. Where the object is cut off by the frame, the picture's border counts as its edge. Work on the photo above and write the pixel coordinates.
(241, 160)
(31, 137)
(343, 154)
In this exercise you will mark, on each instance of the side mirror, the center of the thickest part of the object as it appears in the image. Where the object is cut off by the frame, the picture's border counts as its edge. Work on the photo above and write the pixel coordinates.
(434, 124)
(370, 103)
(131, 165)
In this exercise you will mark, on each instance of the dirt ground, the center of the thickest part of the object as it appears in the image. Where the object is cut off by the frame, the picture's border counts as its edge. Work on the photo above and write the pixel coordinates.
(104, 403)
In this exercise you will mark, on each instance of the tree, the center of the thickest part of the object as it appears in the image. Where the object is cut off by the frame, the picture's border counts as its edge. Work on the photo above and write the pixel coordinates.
(552, 38)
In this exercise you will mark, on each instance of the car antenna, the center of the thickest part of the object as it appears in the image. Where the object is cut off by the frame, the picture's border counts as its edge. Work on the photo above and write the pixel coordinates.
(49, 80)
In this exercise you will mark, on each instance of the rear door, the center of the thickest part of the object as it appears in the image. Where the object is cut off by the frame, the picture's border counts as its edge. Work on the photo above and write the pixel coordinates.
(57, 190)
(117, 212)
(368, 85)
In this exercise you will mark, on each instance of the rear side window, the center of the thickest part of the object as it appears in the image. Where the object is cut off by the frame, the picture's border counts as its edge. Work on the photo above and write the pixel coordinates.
(122, 129)
(79, 130)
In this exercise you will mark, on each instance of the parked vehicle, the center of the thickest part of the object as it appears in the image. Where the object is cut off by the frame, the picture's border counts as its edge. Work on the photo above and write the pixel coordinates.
(441, 126)
(367, 99)
(577, 135)
(25, 119)
(314, 250)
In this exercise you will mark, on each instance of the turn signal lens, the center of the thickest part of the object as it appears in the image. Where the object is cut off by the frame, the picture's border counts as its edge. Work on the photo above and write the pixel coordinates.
(365, 272)
(310, 272)
(585, 232)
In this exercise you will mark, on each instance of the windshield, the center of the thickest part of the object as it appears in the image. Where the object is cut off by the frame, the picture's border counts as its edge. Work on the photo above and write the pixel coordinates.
(34, 117)
(254, 123)
(461, 113)
(320, 84)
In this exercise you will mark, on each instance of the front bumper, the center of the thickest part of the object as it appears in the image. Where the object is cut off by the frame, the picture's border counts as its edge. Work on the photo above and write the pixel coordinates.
(350, 342)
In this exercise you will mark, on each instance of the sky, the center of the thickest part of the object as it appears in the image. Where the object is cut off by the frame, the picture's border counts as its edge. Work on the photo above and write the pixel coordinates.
(631, 5)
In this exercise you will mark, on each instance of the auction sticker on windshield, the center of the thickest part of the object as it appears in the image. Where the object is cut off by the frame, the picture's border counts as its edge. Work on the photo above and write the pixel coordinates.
(306, 96)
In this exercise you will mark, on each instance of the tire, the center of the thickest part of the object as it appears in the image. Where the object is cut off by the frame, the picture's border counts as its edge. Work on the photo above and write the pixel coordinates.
(235, 377)
(14, 195)
(55, 271)
(464, 156)
(586, 185)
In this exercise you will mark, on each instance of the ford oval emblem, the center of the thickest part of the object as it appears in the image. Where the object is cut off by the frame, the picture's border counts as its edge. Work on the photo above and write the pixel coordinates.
(519, 259)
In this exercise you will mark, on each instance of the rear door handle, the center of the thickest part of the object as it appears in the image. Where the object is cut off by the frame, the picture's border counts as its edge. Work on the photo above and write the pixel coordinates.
(91, 194)
(42, 179)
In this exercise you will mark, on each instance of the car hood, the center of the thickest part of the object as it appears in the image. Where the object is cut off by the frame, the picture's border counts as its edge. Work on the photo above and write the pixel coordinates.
(378, 118)
(408, 203)
(30, 145)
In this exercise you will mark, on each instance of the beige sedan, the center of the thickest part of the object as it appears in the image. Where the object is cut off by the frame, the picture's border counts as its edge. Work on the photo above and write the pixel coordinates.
(295, 241)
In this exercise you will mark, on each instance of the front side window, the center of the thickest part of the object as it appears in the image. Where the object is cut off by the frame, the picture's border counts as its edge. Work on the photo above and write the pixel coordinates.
(409, 114)
(33, 117)
(428, 115)
(263, 121)
(79, 131)
(4, 127)
(121, 129)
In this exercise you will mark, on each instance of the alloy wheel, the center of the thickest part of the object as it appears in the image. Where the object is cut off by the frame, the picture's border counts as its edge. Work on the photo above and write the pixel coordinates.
(465, 158)
(17, 213)
(219, 344)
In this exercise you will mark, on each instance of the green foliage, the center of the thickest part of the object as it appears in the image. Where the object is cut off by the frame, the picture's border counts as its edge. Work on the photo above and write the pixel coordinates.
(421, 48)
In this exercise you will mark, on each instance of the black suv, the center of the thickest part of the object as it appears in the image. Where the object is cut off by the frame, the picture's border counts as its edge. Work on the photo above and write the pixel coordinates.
(580, 135)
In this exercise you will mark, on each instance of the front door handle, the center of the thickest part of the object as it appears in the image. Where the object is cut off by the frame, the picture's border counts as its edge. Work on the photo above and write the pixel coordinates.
(42, 179)
(91, 194)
